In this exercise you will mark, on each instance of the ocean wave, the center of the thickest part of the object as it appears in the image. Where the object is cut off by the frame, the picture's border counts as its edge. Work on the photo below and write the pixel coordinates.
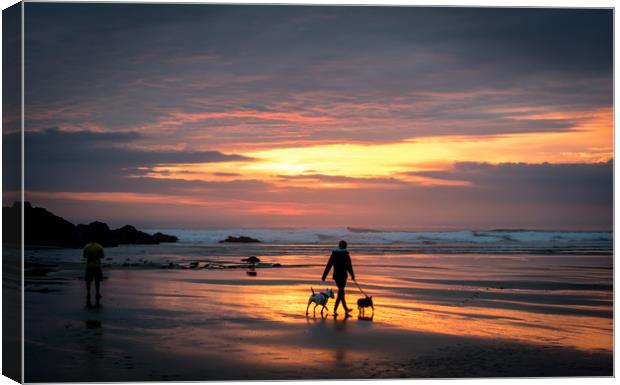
(331, 236)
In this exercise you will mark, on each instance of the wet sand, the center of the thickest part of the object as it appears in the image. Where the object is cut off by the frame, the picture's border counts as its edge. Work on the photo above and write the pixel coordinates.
(439, 316)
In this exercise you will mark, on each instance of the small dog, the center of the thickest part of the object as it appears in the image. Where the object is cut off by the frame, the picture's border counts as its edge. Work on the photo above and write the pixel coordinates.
(320, 298)
(363, 303)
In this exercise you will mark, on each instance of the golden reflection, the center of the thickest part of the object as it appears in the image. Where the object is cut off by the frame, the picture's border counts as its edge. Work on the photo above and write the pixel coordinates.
(277, 296)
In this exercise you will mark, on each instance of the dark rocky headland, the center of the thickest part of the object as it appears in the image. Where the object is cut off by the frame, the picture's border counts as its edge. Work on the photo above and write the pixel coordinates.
(43, 228)
(240, 239)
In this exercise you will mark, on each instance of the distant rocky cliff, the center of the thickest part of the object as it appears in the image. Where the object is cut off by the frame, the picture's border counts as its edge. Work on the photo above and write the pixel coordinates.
(42, 228)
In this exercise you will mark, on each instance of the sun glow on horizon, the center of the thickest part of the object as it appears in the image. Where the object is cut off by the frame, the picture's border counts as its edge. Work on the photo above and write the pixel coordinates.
(590, 142)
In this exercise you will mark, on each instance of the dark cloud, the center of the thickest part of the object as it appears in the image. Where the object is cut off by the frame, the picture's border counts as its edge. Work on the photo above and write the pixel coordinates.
(484, 173)
(571, 185)
(92, 161)
(55, 146)
(539, 40)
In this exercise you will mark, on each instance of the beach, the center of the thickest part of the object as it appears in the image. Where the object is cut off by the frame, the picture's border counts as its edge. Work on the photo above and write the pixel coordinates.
(442, 310)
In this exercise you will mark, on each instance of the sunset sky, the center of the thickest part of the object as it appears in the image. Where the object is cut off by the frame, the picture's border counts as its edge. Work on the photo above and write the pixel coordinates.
(262, 116)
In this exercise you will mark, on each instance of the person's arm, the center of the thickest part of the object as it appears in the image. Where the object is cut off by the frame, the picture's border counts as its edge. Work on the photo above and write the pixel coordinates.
(350, 267)
(328, 267)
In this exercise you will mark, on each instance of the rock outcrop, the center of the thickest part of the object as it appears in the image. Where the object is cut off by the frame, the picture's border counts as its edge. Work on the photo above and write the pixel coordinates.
(128, 235)
(241, 239)
(43, 228)
(164, 238)
(98, 231)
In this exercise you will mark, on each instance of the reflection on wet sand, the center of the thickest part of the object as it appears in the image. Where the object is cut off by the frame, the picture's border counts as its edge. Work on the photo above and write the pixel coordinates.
(572, 318)
(580, 319)
(221, 320)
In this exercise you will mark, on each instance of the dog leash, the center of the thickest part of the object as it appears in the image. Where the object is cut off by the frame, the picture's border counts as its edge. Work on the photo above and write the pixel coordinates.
(358, 286)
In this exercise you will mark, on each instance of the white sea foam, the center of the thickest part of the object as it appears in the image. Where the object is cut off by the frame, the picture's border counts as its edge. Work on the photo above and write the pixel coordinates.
(361, 236)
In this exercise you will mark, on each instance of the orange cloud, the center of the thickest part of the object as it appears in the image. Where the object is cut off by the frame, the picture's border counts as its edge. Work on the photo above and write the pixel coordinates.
(589, 142)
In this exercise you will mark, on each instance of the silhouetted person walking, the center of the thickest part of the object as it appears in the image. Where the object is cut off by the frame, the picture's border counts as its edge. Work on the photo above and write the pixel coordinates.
(340, 260)
(93, 253)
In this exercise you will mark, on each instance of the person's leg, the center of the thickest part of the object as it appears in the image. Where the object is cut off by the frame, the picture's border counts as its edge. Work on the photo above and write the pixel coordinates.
(88, 288)
(88, 279)
(340, 296)
(337, 302)
(98, 279)
(342, 299)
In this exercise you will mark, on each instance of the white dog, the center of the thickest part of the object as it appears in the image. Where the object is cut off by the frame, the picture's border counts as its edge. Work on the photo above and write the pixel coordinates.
(320, 298)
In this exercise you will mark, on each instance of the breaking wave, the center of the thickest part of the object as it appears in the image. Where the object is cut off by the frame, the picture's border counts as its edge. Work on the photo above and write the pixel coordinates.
(418, 241)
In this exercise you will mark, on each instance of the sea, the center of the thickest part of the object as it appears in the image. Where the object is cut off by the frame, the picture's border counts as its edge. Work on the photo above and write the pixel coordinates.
(370, 241)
